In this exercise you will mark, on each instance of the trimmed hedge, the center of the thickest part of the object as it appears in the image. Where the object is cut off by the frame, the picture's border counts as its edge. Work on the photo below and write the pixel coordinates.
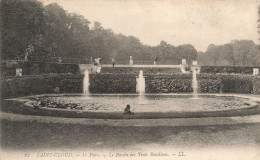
(71, 84)
(126, 83)
(136, 70)
(209, 86)
(236, 84)
(29, 85)
(227, 69)
(59, 68)
(168, 83)
(256, 85)
(112, 83)
(40, 68)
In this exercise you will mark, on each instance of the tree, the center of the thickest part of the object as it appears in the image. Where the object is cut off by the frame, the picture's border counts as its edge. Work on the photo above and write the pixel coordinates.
(22, 25)
(52, 31)
(254, 55)
(212, 53)
(57, 38)
(227, 53)
(241, 49)
(187, 51)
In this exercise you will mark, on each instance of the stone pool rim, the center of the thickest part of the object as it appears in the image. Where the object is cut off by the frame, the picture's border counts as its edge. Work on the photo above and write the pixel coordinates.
(254, 103)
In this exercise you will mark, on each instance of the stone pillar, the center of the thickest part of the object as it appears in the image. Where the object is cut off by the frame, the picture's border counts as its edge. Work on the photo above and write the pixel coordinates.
(131, 62)
(19, 72)
(98, 69)
(183, 61)
(255, 71)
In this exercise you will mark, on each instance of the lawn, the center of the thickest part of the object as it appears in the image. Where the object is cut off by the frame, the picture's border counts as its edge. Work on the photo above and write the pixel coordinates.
(37, 135)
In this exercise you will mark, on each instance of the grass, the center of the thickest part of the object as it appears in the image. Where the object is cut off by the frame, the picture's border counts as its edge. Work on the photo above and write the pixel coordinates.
(36, 135)
(28, 135)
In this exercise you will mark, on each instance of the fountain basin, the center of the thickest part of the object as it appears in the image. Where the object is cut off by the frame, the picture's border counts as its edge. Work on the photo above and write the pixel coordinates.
(154, 103)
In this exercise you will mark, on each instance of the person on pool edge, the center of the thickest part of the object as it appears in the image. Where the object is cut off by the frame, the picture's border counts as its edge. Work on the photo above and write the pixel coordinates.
(127, 110)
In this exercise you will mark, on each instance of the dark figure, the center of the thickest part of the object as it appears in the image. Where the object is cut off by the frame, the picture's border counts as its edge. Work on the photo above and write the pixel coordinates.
(113, 62)
(127, 110)
(18, 59)
(100, 61)
(155, 60)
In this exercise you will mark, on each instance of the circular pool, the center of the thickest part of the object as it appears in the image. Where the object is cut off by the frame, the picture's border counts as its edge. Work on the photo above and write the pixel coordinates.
(147, 103)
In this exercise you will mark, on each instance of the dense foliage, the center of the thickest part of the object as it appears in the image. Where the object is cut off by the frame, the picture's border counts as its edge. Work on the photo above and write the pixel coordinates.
(256, 85)
(126, 83)
(168, 83)
(236, 84)
(22, 25)
(238, 52)
(39, 68)
(112, 83)
(227, 69)
(30, 28)
(136, 70)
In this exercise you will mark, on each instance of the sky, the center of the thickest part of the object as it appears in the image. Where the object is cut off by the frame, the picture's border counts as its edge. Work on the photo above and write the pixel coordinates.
(196, 22)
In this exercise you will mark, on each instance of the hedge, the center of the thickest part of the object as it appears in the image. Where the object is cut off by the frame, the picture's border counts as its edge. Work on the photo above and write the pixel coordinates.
(168, 83)
(256, 85)
(39, 68)
(41, 84)
(227, 69)
(112, 83)
(207, 83)
(126, 83)
(136, 70)
(236, 84)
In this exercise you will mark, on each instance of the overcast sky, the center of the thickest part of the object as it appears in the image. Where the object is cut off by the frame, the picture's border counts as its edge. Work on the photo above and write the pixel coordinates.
(197, 22)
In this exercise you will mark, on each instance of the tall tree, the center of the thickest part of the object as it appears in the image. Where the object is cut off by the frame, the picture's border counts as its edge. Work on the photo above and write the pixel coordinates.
(254, 55)
(213, 54)
(57, 36)
(22, 25)
(241, 49)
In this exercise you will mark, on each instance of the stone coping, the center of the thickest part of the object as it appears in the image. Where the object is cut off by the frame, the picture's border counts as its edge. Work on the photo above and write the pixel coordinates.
(252, 109)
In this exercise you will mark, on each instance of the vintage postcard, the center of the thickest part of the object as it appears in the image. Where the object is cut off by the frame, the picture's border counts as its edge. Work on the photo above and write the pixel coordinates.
(130, 79)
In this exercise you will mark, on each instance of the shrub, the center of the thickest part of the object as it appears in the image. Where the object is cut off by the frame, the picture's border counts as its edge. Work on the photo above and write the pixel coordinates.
(40, 68)
(209, 86)
(136, 70)
(227, 69)
(126, 83)
(112, 83)
(168, 83)
(236, 83)
(59, 68)
(256, 85)
(31, 85)
(71, 84)
(26, 86)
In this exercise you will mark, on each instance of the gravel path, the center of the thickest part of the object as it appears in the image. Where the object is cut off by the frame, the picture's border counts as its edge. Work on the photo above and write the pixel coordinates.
(136, 122)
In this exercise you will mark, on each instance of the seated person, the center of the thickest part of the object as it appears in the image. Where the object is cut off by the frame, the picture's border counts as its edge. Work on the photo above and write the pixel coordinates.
(127, 110)
(36, 105)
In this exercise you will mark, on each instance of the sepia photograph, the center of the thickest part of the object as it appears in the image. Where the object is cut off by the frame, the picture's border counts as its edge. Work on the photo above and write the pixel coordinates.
(130, 80)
